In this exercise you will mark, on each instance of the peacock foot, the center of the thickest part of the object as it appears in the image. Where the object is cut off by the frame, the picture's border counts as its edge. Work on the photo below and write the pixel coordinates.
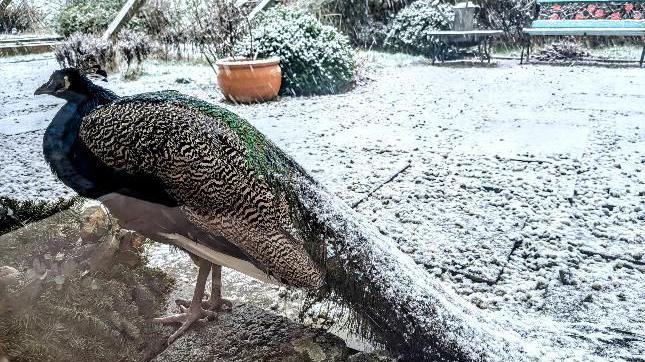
(189, 315)
(220, 304)
(215, 304)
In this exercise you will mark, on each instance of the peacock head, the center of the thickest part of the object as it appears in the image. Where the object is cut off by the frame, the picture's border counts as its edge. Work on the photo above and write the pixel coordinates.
(69, 84)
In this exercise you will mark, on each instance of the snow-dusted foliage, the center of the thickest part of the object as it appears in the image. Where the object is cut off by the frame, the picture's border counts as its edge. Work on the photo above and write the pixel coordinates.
(315, 58)
(86, 51)
(218, 26)
(19, 16)
(83, 51)
(363, 21)
(134, 47)
(16, 213)
(409, 29)
(87, 16)
(166, 22)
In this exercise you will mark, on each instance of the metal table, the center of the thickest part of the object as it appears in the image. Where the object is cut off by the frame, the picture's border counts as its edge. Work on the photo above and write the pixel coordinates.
(442, 40)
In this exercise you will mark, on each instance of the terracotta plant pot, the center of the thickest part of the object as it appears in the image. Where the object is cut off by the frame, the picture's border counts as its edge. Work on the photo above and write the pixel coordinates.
(248, 81)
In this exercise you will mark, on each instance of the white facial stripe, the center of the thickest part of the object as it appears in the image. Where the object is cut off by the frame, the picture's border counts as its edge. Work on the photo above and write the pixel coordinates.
(67, 84)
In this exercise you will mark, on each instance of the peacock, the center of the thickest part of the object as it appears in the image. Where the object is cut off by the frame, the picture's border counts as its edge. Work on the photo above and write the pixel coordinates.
(185, 172)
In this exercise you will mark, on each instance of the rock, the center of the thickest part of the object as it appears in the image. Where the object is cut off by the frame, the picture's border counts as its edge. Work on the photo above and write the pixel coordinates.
(8, 276)
(376, 356)
(566, 277)
(541, 283)
(248, 333)
(95, 224)
(621, 296)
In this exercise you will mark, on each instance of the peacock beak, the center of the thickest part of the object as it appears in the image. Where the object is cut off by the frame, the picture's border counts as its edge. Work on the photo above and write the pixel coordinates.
(47, 88)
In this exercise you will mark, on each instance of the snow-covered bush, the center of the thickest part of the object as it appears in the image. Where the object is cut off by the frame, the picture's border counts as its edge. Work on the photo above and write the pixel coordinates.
(409, 29)
(315, 58)
(19, 16)
(370, 34)
(219, 25)
(84, 51)
(87, 16)
(133, 47)
(166, 22)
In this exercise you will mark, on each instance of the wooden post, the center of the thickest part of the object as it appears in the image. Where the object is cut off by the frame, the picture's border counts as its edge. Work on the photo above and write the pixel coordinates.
(258, 8)
(129, 9)
(4, 4)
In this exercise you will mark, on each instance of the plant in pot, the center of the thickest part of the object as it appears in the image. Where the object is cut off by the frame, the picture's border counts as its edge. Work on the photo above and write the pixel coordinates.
(219, 27)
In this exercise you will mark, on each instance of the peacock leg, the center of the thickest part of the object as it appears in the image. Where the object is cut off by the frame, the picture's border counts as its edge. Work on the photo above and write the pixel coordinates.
(215, 302)
(194, 312)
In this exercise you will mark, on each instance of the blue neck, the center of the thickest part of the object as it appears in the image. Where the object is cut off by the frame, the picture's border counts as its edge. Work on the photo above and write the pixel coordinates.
(66, 156)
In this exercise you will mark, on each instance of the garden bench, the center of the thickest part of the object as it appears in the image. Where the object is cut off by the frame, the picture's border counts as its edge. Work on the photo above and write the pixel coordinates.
(442, 40)
(462, 34)
(586, 18)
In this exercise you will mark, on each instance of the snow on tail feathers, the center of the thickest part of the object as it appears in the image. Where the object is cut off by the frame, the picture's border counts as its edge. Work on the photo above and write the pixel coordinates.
(396, 299)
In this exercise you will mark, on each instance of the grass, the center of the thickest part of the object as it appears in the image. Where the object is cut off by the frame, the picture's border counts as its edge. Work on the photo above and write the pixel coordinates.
(85, 307)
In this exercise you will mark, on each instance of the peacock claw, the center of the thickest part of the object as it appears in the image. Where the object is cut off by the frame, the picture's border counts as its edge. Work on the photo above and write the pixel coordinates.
(193, 314)
(220, 304)
(202, 307)
(210, 304)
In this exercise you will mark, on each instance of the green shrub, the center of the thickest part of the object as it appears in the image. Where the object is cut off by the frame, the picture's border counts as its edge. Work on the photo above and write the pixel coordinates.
(87, 16)
(362, 20)
(315, 58)
(16, 213)
(409, 30)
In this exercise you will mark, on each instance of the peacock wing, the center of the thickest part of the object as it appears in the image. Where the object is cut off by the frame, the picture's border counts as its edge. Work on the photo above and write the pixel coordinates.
(211, 163)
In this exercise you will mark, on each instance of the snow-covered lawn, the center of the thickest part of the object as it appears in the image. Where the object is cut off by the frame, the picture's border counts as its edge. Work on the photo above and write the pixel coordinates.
(522, 187)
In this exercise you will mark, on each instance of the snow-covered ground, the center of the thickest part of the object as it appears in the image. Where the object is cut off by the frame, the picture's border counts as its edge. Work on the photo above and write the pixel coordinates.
(522, 187)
